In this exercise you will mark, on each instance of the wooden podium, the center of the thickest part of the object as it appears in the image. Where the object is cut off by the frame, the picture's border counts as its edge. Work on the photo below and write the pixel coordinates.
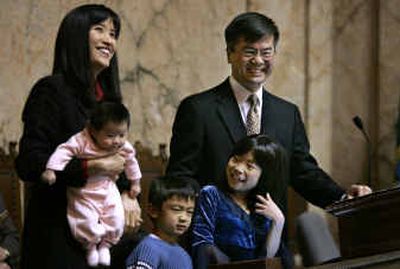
(274, 263)
(370, 224)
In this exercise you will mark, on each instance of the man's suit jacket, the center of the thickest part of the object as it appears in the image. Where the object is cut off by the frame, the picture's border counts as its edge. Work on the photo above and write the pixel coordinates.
(208, 124)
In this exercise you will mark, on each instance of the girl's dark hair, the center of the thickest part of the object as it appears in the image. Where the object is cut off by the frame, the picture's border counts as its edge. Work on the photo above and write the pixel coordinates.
(71, 55)
(271, 158)
(252, 26)
(162, 189)
(105, 112)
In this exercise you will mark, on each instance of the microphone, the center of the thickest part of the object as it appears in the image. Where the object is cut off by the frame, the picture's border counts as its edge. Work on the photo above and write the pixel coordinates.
(360, 126)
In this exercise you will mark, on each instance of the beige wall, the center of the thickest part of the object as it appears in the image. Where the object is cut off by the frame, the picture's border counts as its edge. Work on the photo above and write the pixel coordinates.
(337, 59)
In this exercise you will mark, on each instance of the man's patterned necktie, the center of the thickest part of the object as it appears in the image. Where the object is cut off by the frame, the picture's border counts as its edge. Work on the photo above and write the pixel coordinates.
(253, 116)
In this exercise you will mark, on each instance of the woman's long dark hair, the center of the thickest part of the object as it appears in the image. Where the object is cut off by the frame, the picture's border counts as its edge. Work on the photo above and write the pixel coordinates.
(272, 159)
(71, 55)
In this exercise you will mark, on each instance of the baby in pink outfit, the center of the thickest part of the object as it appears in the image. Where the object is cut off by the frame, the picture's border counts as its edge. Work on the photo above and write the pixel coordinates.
(95, 212)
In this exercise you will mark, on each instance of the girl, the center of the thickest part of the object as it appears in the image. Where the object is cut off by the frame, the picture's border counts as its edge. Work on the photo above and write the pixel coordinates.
(238, 219)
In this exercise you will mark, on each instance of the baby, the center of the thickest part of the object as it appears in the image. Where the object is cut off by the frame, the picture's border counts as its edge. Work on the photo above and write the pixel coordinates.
(95, 212)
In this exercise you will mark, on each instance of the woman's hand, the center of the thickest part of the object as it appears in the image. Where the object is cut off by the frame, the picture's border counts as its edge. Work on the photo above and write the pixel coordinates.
(111, 166)
(267, 207)
(133, 218)
(135, 189)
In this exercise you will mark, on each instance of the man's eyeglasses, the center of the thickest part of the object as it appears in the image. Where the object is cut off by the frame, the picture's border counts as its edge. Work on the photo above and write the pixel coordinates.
(265, 54)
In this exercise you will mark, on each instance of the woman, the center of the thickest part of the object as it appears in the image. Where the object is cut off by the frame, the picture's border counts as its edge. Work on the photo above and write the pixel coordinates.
(85, 71)
(239, 220)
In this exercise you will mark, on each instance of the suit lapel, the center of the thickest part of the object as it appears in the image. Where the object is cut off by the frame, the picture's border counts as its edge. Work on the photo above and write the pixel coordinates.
(267, 118)
(229, 112)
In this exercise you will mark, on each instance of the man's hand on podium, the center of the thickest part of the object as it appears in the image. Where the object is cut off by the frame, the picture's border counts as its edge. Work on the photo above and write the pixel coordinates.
(356, 190)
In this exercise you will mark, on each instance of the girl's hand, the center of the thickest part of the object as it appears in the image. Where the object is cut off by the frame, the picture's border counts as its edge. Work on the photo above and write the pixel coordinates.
(267, 207)
(111, 166)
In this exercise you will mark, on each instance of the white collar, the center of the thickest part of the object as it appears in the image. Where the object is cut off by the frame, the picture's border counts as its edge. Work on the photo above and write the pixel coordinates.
(241, 93)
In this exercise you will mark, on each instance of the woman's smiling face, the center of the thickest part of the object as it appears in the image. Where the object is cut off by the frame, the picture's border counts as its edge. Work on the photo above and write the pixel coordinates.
(102, 45)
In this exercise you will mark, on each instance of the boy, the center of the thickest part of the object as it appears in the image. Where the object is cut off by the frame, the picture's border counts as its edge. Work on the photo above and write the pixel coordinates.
(171, 206)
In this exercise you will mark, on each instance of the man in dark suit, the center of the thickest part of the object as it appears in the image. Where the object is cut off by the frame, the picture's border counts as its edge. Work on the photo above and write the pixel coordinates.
(208, 124)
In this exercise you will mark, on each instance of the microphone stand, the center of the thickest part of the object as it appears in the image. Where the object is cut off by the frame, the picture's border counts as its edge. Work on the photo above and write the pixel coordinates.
(359, 124)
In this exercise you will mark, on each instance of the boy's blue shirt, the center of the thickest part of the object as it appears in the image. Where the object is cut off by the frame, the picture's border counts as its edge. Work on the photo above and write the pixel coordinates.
(153, 252)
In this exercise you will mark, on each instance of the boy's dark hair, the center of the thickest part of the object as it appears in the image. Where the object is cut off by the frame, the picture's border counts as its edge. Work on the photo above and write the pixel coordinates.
(105, 112)
(252, 26)
(71, 54)
(162, 189)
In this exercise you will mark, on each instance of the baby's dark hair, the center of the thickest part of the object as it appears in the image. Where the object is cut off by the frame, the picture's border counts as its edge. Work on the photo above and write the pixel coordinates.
(162, 189)
(105, 112)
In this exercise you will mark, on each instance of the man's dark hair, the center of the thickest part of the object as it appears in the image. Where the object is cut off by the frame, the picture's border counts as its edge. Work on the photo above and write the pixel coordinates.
(71, 55)
(252, 26)
(105, 112)
(162, 189)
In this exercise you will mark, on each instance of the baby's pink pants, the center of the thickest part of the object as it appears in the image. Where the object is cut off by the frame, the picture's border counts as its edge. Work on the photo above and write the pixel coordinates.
(95, 213)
